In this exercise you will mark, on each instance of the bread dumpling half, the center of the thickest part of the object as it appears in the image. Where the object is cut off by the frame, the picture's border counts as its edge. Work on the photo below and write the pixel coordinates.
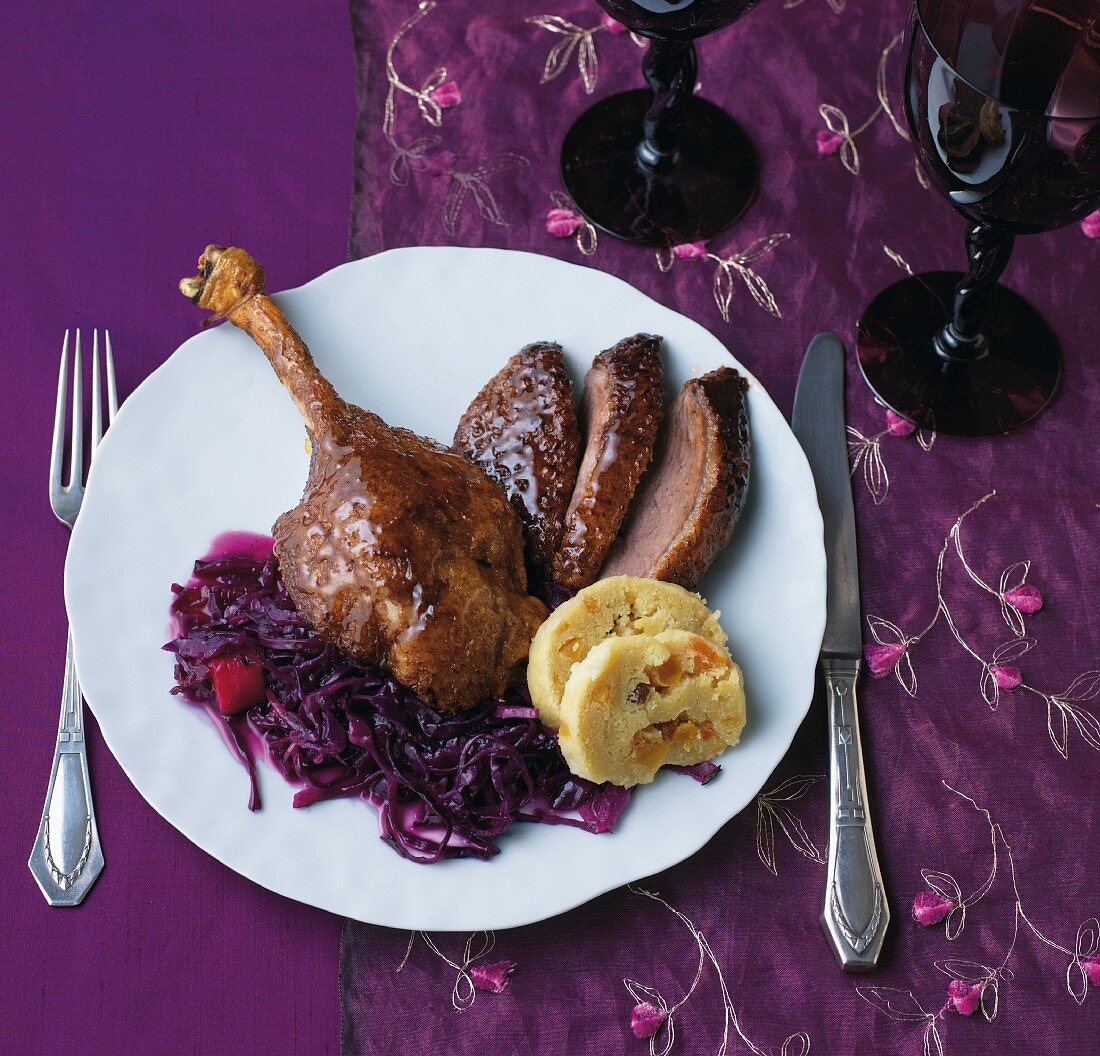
(618, 607)
(638, 703)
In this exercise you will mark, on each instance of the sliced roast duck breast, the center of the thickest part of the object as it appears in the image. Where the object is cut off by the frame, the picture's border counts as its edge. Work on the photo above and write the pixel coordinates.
(521, 429)
(691, 499)
(621, 415)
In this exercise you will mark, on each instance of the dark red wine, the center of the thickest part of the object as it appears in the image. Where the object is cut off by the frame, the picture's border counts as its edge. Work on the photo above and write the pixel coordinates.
(1003, 99)
(676, 19)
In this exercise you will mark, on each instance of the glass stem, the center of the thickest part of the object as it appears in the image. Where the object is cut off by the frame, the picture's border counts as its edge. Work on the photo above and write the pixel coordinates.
(670, 69)
(988, 250)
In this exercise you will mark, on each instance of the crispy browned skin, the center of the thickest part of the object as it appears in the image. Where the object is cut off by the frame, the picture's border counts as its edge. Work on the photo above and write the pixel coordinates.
(691, 499)
(623, 395)
(400, 553)
(522, 430)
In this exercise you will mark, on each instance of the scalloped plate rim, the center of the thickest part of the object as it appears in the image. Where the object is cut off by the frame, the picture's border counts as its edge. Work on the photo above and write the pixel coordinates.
(498, 915)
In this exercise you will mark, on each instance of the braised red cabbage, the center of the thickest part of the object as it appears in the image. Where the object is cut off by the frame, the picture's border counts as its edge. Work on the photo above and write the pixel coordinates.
(446, 785)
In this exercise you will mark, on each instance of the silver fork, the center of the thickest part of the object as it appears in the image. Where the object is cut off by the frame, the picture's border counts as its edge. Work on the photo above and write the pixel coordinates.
(67, 857)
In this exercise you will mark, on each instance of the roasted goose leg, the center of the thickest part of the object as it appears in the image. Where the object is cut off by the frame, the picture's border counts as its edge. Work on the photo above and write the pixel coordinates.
(401, 552)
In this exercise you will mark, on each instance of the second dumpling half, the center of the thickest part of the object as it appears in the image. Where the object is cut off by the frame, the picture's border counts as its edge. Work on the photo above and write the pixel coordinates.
(638, 703)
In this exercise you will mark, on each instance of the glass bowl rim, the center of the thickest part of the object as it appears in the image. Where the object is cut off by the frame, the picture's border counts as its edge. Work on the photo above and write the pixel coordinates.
(918, 21)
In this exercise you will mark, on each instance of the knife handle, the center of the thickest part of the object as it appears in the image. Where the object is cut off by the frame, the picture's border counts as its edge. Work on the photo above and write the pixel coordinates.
(855, 915)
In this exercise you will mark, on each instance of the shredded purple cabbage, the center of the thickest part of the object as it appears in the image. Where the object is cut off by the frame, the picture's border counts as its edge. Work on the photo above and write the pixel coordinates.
(703, 772)
(446, 785)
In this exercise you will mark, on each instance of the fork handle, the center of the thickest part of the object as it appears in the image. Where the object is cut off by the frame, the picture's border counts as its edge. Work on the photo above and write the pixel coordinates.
(855, 914)
(67, 857)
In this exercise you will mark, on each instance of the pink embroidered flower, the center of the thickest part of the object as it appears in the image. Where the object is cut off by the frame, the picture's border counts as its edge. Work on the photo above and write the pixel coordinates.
(965, 997)
(646, 1019)
(1090, 226)
(690, 251)
(492, 978)
(1091, 967)
(1006, 676)
(882, 659)
(446, 95)
(1024, 598)
(438, 164)
(930, 908)
(612, 27)
(828, 142)
(561, 223)
(898, 426)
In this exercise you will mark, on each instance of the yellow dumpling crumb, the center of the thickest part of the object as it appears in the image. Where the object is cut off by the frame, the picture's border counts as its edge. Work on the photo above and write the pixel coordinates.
(617, 607)
(636, 703)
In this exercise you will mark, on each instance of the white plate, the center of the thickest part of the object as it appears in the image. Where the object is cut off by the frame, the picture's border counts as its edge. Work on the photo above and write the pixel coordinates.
(211, 442)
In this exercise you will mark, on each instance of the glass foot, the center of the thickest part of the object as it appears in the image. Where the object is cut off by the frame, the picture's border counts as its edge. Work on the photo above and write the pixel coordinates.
(714, 181)
(1005, 388)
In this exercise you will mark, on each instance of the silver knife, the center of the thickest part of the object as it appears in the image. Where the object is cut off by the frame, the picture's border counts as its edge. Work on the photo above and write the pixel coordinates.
(855, 914)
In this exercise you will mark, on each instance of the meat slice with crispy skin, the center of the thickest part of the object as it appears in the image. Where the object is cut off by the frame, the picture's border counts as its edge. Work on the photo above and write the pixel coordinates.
(621, 411)
(522, 430)
(400, 552)
(691, 499)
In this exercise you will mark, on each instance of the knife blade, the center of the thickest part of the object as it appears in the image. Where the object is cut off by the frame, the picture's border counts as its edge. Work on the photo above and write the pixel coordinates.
(818, 422)
(855, 914)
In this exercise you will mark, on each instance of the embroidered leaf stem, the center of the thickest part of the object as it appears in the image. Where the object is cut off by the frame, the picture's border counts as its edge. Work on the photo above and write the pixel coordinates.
(976, 986)
(998, 671)
(772, 809)
(662, 1040)
(737, 264)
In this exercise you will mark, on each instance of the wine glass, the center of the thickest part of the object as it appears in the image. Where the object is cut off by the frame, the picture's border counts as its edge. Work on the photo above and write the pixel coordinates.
(660, 166)
(1003, 102)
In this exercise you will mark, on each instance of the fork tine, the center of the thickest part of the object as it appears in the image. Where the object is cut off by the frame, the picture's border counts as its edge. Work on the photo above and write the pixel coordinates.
(112, 392)
(76, 467)
(58, 441)
(97, 399)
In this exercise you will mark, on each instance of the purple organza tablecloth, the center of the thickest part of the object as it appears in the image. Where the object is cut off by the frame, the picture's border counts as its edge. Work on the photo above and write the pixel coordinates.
(982, 734)
(134, 137)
